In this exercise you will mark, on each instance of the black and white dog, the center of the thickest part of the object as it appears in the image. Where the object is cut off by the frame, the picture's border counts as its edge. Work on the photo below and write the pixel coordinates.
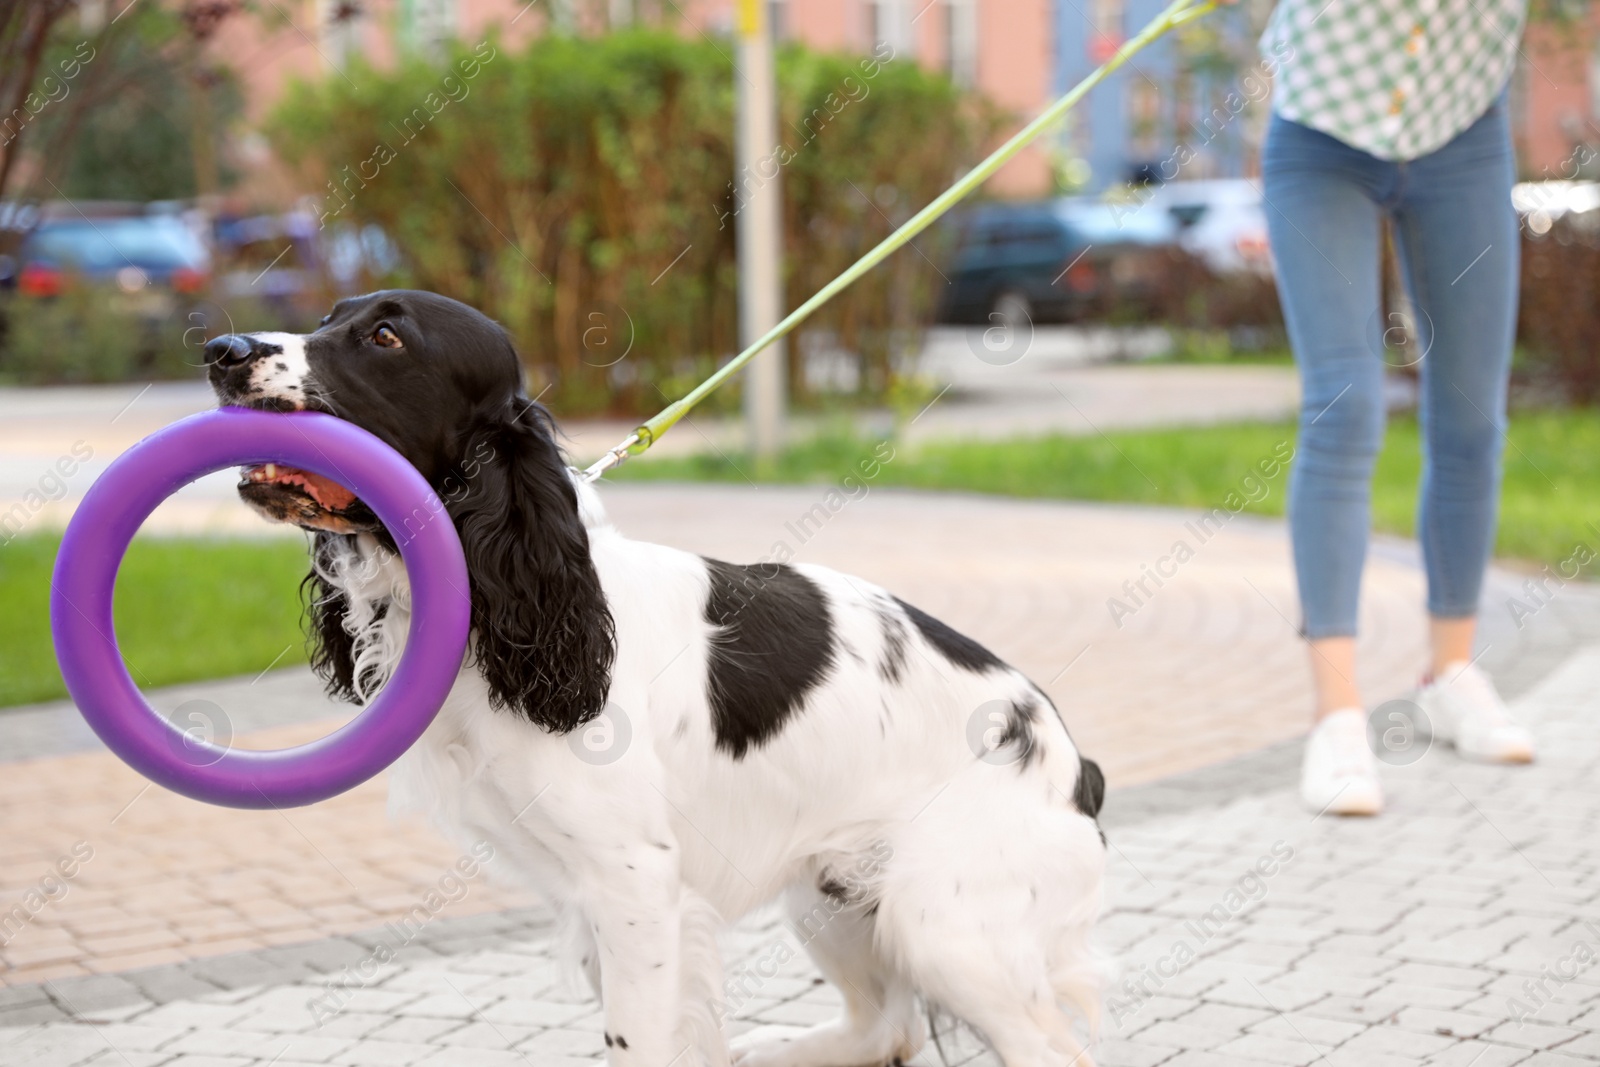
(795, 732)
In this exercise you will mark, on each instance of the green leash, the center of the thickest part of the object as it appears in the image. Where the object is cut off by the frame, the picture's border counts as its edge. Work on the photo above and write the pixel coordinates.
(1179, 13)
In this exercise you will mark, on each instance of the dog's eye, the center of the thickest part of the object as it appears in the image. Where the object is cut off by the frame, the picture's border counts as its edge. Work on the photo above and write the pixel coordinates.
(385, 337)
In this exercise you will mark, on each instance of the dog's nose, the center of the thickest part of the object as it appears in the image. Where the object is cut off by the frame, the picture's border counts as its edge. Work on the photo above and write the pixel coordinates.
(229, 350)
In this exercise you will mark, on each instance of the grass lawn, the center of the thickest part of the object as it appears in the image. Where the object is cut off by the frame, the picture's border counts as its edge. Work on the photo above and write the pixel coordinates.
(186, 609)
(1551, 494)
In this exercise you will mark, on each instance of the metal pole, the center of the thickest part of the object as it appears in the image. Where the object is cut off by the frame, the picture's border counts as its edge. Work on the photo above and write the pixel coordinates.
(758, 204)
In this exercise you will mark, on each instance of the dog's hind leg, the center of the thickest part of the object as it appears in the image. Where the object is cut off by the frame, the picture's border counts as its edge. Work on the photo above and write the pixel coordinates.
(880, 1024)
(1001, 985)
(986, 906)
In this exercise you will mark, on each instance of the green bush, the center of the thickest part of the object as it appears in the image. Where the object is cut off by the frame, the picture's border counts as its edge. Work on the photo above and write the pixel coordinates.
(82, 337)
(1559, 323)
(1242, 307)
(579, 191)
(89, 335)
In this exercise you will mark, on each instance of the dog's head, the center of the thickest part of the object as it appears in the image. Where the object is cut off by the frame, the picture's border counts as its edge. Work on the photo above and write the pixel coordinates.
(440, 383)
(416, 369)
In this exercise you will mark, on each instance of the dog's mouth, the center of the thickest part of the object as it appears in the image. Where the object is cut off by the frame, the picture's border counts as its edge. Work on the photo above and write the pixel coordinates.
(303, 498)
(326, 492)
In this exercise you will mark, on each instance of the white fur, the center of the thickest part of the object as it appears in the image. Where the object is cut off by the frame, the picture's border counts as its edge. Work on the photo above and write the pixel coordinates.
(986, 878)
(285, 374)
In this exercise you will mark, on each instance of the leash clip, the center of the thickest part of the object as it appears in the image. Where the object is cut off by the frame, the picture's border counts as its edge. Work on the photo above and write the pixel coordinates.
(613, 459)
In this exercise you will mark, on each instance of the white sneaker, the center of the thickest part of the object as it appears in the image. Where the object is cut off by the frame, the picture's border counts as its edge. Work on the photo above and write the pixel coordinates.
(1464, 709)
(1339, 774)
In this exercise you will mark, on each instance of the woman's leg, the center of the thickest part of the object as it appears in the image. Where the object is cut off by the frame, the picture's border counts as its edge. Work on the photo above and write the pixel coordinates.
(1450, 641)
(1333, 674)
(1459, 243)
(1322, 201)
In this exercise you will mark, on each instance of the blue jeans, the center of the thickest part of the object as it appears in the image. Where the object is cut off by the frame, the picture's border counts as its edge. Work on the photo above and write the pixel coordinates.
(1458, 242)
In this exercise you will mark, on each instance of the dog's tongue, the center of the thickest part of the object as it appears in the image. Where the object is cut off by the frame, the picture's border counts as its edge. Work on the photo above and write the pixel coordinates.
(325, 491)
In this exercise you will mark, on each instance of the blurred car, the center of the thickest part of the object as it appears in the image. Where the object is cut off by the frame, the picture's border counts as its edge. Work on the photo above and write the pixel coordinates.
(1059, 260)
(143, 258)
(287, 259)
(1540, 204)
(266, 256)
(1220, 220)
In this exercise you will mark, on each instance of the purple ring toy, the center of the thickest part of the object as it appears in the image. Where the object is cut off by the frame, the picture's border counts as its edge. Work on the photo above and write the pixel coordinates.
(155, 468)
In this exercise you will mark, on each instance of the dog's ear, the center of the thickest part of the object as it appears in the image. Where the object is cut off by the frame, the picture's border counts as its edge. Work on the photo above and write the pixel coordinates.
(332, 647)
(1090, 792)
(543, 637)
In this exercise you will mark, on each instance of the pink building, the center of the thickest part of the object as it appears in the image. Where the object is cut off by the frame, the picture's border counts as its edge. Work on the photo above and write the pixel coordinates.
(1556, 94)
(1003, 48)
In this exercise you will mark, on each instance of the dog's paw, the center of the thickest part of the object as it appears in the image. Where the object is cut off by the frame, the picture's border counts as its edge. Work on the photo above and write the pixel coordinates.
(766, 1046)
(828, 1045)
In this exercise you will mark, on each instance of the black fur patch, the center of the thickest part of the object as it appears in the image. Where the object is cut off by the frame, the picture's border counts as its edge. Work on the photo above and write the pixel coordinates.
(1019, 732)
(894, 643)
(543, 636)
(831, 887)
(958, 648)
(774, 644)
(1090, 792)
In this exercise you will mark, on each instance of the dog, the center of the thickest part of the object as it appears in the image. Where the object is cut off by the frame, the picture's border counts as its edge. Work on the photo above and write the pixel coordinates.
(776, 731)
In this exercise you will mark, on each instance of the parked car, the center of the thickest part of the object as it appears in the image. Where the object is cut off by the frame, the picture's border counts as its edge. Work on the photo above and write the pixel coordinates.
(1221, 220)
(1540, 204)
(1059, 260)
(146, 260)
(288, 260)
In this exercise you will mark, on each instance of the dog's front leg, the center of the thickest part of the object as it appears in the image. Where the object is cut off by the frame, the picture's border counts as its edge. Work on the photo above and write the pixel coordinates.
(635, 913)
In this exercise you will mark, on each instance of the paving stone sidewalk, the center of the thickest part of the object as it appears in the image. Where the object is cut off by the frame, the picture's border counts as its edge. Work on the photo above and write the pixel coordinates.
(1462, 928)
(1207, 670)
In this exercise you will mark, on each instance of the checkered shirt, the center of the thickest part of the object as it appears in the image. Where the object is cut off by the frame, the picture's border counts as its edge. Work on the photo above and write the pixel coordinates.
(1395, 78)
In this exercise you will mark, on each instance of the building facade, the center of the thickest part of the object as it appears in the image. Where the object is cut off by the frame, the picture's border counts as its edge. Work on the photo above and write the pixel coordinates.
(1555, 97)
(1195, 104)
(1000, 48)
(1192, 105)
